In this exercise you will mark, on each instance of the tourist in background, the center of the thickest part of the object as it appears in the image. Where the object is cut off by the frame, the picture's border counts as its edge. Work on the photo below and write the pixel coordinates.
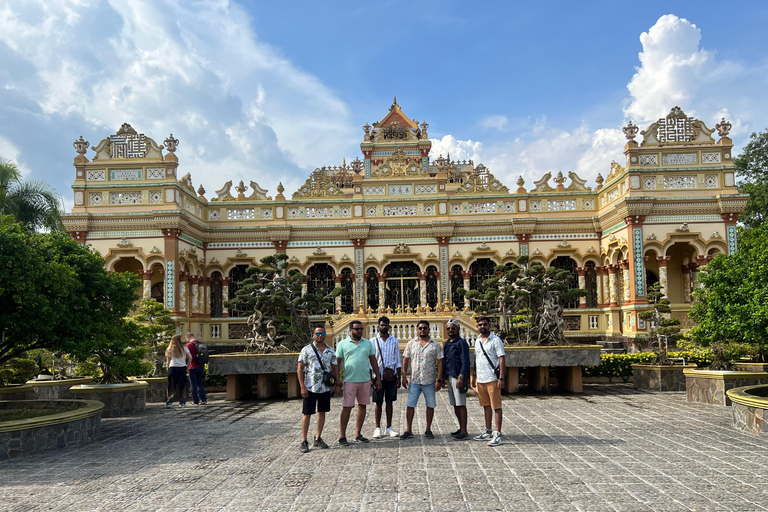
(424, 354)
(177, 357)
(196, 372)
(489, 378)
(388, 357)
(358, 357)
(456, 375)
(315, 360)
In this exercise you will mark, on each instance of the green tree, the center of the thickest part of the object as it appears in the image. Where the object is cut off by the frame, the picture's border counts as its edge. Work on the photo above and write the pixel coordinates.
(732, 306)
(281, 312)
(158, 328)
(56, 294)
(34, 203)
(752, 167)
(663, 328)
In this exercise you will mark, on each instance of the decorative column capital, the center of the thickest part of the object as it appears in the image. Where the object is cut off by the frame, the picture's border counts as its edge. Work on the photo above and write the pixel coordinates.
(662, 260)
(634, 220)
(466, 274)
(280, 245)
(225, 281)
(730, 218)
(422, 276)
(624, 264)
(195, 279)
(523, 237)
(79, 236)
(443, 240)
(612, 269)
(581, 271)
(359, 243)
(171, 233)
(337, 278)
(382, 277)
(183, 276)
(146, 275)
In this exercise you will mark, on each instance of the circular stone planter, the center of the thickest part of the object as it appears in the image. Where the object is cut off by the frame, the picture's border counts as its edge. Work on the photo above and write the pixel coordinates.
(50, 432)
(17, 392)
(709, 386)
(157, 389)
(118, 399)
(749, 406)
(56, 389)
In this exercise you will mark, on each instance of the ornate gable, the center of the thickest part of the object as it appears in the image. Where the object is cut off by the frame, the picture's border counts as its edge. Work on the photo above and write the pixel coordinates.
(677, 128)
(127, 143)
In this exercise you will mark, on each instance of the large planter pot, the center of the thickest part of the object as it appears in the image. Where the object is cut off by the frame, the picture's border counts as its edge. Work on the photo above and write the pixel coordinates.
(118, 399)
(709, 387)
(17, 392)
(50, 432)
(749, 406)
(157, 388)
(241, 369)
(56, 389)
(658, 377)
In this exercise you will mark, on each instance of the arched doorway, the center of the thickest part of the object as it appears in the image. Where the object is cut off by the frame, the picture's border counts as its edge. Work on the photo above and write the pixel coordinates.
(431, 284)
(401, 285)
(590, 284)
(236, 277)
(372, 288)
(482, 269)
(457, 282)
(320, 281)
(217, 308)
(347, 298)
(569, 264)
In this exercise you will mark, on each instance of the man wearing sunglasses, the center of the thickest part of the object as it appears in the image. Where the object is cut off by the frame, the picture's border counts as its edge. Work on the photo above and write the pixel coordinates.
(358, 356)
(426, 354)
(315, 359)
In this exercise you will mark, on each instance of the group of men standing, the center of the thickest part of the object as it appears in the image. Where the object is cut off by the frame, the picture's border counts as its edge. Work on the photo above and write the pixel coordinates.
(375, 368)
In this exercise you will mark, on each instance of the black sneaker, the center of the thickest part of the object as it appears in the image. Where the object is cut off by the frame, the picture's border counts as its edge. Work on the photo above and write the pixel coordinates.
(460, 437)
(406, 435)
(304, 447)
(429, 435)
(361, 439)
(319, 443)
(343, 441)
(455, 433)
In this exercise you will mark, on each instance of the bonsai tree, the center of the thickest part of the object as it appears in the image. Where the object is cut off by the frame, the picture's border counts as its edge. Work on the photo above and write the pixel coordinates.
(731, 308)
(663, 329)
(281, 314)
(158, 327)
(529, 299)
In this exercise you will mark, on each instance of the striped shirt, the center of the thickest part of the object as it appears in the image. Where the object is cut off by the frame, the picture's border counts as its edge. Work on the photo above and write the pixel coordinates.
(391, 349)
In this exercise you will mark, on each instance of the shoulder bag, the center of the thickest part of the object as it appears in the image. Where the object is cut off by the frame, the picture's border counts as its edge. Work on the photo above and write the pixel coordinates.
(496, 370)
(389, 373)
(328, 378)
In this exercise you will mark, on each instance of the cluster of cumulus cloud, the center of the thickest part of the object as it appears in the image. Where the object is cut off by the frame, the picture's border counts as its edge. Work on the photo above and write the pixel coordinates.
(238, 105)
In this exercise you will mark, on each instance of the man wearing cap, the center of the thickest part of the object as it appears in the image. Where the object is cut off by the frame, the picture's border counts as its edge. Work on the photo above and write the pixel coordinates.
(456, 375)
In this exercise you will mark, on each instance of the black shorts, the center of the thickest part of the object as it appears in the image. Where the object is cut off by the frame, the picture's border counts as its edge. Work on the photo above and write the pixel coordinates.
(320, 400)
(388, 391)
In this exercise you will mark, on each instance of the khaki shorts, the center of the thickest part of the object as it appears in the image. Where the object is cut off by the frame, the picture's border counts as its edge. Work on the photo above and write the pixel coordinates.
(489, 394)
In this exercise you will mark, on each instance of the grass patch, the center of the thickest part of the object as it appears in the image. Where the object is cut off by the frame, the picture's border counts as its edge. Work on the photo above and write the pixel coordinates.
(30, 412)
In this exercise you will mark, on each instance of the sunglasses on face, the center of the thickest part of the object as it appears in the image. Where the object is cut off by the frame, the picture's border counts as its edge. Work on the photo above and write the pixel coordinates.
(482, 325)
(355, 328)
(319, 334)
(423, 328)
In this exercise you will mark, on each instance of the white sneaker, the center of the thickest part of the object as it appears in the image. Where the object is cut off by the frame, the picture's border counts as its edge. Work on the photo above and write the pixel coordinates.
(487, 434)
(496, 441)
(392, 432)
(377, 433)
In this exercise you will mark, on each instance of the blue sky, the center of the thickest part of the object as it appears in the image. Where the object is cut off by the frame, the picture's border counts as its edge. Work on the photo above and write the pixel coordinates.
(267, 91)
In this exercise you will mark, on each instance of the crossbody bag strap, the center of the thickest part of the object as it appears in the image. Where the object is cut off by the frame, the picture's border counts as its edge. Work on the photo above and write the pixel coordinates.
(486, 355)
(320, 358)
(381, 352)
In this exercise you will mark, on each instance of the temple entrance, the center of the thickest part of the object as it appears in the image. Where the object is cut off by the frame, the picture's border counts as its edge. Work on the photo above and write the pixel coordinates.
(402, 285)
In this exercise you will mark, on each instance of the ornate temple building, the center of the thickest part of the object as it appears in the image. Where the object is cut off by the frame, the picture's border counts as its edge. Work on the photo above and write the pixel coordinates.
(402, 229)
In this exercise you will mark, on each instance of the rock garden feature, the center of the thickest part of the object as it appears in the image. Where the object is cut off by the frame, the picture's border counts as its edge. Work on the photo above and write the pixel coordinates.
(749, 406)
(78, 424)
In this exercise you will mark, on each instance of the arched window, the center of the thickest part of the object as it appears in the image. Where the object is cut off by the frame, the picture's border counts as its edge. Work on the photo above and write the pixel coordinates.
(320, 281)
(482, 269)
(347, 298)
(566, 263)
(457, 281)
(372, 288)
(590, 283)
(402, 285)
(651, 278)
(236, 277)
(431, 283)
(216, 285)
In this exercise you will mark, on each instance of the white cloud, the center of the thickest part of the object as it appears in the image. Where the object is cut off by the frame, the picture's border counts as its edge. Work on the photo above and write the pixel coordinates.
(457, 149)
(240, 110)
(498, 122)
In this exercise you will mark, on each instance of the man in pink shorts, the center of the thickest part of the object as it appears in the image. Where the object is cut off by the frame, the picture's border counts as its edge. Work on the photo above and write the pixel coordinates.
(358, 355)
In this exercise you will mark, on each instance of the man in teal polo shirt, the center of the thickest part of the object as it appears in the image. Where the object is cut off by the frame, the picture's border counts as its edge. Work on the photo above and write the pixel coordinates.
(358, 356)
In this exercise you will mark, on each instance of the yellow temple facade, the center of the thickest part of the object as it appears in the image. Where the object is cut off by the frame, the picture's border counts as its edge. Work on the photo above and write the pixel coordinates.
(403, 231)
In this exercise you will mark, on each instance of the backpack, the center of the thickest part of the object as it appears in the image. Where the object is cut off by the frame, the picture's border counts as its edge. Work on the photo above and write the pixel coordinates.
(201, 353)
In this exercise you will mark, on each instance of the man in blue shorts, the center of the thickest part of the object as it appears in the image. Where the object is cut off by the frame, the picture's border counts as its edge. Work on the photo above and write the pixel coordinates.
(424, 354)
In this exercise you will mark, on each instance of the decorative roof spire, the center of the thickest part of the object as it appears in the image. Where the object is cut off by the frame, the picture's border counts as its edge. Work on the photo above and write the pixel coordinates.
(394, 103)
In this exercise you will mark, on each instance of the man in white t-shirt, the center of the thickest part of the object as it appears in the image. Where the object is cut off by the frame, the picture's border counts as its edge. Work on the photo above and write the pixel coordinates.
(489, 377)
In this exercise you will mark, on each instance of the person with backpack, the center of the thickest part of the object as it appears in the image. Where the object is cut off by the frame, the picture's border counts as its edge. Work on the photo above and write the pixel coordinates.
(318, 374)
(197, 369)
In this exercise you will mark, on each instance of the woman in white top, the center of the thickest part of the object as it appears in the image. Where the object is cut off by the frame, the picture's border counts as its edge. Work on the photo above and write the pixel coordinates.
(178, 358)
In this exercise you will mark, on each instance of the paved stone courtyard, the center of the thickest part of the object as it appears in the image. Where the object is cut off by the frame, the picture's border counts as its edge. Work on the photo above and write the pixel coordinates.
(611, 448)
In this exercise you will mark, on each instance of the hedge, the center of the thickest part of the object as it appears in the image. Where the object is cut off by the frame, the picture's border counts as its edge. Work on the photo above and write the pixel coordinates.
(620, 365)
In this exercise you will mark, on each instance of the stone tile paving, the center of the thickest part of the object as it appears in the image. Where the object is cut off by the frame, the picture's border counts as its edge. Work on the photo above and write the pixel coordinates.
(610, 449)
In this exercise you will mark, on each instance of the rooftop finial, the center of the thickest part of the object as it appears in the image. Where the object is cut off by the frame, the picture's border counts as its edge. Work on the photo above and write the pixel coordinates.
(394, 103)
